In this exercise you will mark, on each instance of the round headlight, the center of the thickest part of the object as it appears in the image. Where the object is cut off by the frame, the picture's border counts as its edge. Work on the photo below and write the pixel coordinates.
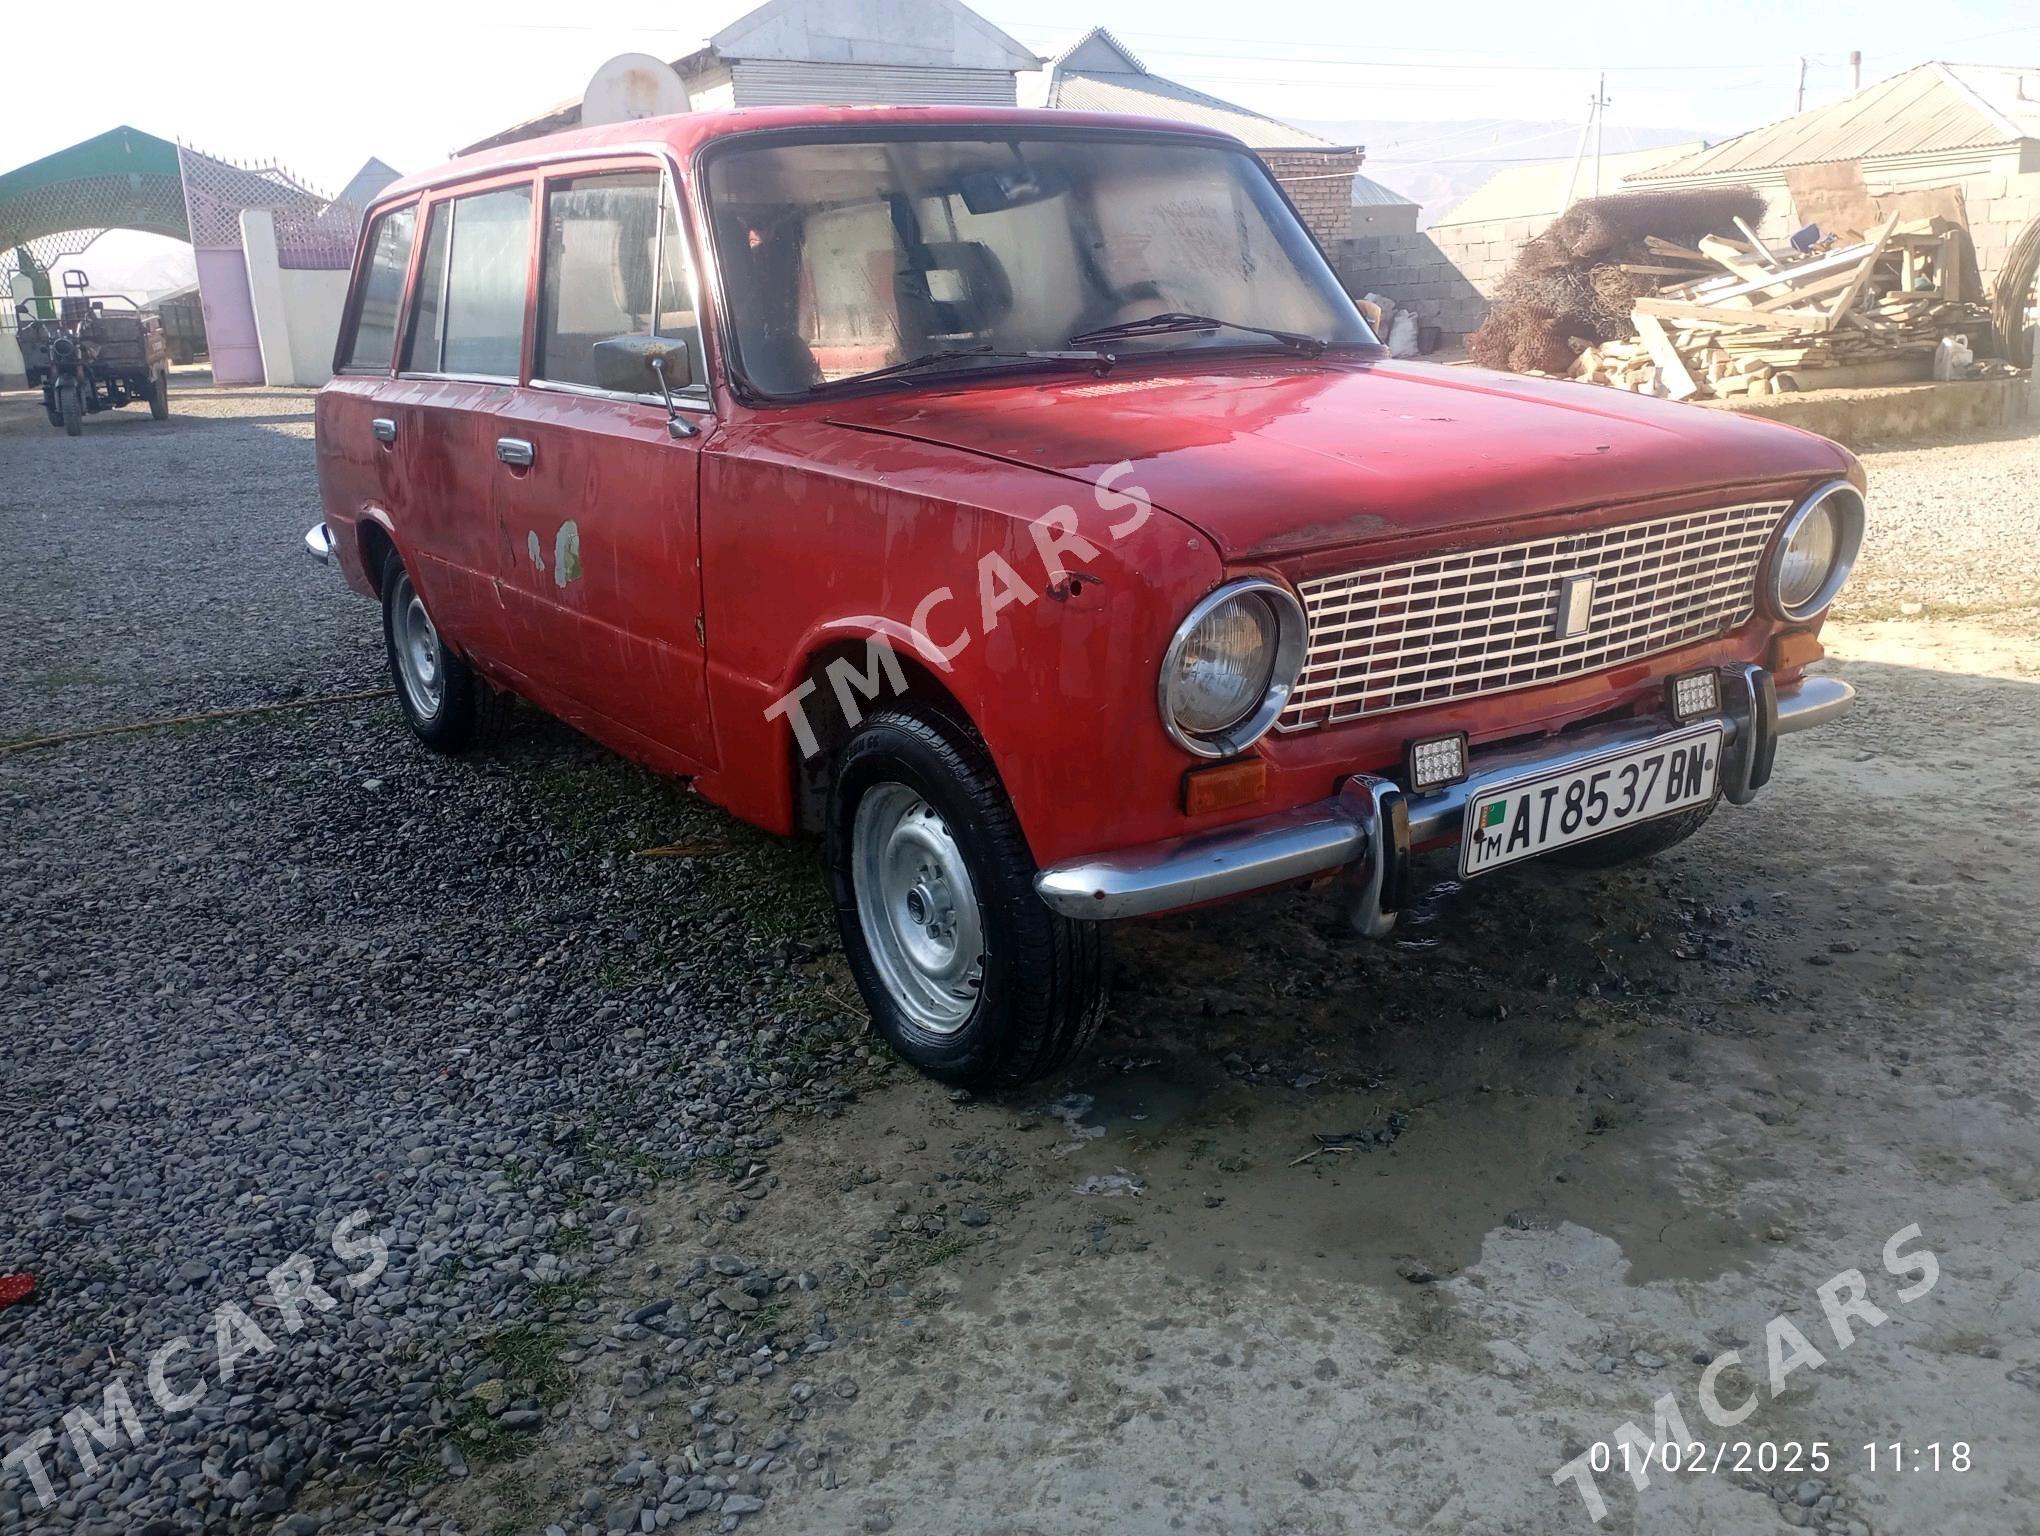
(1816, 550)
(1230, 668)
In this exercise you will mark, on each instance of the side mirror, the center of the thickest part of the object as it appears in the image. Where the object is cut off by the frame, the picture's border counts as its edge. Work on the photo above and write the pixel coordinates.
(642, 365)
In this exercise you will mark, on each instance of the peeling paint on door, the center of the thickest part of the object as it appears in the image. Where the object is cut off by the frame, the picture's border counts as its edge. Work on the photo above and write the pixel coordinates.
(567, 553)
(531, 549)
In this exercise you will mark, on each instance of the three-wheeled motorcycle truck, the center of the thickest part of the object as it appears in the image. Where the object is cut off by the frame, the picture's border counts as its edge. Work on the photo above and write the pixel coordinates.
(91, 352)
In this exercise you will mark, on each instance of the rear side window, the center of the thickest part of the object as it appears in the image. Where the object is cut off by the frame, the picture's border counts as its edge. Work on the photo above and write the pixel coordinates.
(615, 264)
(469, 318)
(382, 290)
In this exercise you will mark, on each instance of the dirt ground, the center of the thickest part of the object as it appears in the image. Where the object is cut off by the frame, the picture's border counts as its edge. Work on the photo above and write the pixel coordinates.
(1611, 1126)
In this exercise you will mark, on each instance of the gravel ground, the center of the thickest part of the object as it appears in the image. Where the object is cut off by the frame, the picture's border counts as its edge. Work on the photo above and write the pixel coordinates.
(653, 1234)
(270, 971)
(1950, 532)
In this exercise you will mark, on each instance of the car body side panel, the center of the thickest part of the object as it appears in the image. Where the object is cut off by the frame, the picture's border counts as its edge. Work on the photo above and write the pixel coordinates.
(357, 474)
(813, 534)
(594, 562)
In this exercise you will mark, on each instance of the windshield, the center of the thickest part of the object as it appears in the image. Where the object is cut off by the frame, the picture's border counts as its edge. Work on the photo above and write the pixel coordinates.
(842, 257)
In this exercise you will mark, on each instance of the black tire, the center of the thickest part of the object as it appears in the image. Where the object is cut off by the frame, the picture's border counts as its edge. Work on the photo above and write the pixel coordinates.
(71, 409)
(469, 713)
(1632, 845)
(1044, 976)
(159, 396)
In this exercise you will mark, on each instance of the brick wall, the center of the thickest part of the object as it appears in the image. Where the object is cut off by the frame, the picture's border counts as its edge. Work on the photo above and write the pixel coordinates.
(1320, 183)
(1414, 271)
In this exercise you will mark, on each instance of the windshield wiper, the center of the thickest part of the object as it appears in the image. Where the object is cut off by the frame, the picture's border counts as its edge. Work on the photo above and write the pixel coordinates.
(1089, 357)
(1175, 320)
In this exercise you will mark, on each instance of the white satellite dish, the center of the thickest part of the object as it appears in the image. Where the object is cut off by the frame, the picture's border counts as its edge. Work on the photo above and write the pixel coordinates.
(632, 85)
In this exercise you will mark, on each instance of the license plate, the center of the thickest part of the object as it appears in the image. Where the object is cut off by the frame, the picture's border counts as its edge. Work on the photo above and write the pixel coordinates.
(1521, 819)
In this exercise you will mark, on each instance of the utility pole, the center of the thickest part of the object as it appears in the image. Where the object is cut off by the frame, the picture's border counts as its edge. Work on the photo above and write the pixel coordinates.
(1590, 129)
(1855, 69)
(1600, 119)
(1801, 107)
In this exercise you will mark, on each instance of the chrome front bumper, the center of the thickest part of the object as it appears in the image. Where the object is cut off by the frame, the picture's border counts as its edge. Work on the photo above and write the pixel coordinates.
(1371, 824)
(319, 543)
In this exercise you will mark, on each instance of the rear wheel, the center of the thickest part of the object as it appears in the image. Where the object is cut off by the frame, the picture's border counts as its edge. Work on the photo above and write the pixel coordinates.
(159, 395)
(71, 409)
(447, 706)
(1634, 844)
(967, 974)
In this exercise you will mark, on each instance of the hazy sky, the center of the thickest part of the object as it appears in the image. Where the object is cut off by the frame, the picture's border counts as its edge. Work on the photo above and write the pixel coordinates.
(322, 87)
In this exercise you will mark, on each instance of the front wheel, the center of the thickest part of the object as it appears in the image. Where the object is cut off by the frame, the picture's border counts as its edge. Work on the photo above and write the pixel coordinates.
(71, 409)
(966, 973)
(447, 706)
(159, 396)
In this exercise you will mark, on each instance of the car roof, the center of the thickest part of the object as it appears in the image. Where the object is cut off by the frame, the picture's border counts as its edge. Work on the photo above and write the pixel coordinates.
(685, 133)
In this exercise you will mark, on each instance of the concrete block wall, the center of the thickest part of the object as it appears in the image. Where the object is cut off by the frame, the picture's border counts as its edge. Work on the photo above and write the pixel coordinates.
(1999, 208)
(1417, 273)
(1320, 183)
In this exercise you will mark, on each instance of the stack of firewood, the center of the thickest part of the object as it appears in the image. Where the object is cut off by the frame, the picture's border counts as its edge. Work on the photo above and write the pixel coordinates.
(1739, 316)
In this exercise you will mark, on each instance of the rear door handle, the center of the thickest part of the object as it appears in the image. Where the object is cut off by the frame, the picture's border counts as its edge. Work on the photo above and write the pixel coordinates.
(385, 430)
(515, 451)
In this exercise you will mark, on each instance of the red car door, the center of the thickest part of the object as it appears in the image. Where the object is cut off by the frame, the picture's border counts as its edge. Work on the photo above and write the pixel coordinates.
(461, 362)
(596, 490)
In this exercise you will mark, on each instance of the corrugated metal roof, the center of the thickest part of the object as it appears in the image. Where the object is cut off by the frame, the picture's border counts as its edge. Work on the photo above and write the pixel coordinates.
(1933, 108)
(1369, 193)
(1152, 96)
(1538, 191)
(2011, 92)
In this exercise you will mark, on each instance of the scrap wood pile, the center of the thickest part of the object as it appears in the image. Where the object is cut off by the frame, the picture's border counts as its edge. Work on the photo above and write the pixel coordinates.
(1669, 311)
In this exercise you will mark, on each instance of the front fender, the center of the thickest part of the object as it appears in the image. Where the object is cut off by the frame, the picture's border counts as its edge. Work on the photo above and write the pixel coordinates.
(1042, 607)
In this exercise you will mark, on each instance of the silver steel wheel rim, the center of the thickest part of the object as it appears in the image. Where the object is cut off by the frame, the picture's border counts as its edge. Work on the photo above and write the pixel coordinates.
(420, 664)
(918, 908)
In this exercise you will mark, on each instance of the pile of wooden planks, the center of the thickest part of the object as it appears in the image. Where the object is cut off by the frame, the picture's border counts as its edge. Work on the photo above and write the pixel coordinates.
(1737, 316)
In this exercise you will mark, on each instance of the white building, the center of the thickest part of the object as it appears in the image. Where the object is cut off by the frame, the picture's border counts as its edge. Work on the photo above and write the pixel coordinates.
(836, 53)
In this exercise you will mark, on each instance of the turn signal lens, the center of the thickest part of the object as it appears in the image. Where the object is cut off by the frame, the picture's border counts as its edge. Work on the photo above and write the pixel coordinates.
(1795, 648)
(1224, 786)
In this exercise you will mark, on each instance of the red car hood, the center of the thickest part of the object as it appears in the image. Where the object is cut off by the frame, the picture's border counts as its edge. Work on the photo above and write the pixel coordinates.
(1279, 460)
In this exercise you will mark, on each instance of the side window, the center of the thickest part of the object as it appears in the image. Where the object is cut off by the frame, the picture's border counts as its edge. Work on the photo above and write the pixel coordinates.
(615, 264)
(469, 318)
(382, 290)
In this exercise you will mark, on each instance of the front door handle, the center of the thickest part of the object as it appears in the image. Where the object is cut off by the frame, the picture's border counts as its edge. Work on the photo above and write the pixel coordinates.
(514, 451)
(385, 430)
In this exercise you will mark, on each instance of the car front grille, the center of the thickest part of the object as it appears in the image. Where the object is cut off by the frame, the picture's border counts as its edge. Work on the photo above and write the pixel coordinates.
(1484, 621)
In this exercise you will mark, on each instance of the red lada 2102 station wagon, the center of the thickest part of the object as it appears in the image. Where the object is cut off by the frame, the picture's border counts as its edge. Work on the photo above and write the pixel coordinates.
(1016, 500)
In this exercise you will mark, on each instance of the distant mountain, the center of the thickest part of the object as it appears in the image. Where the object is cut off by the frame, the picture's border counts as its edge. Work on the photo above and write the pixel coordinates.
(1439, 163)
